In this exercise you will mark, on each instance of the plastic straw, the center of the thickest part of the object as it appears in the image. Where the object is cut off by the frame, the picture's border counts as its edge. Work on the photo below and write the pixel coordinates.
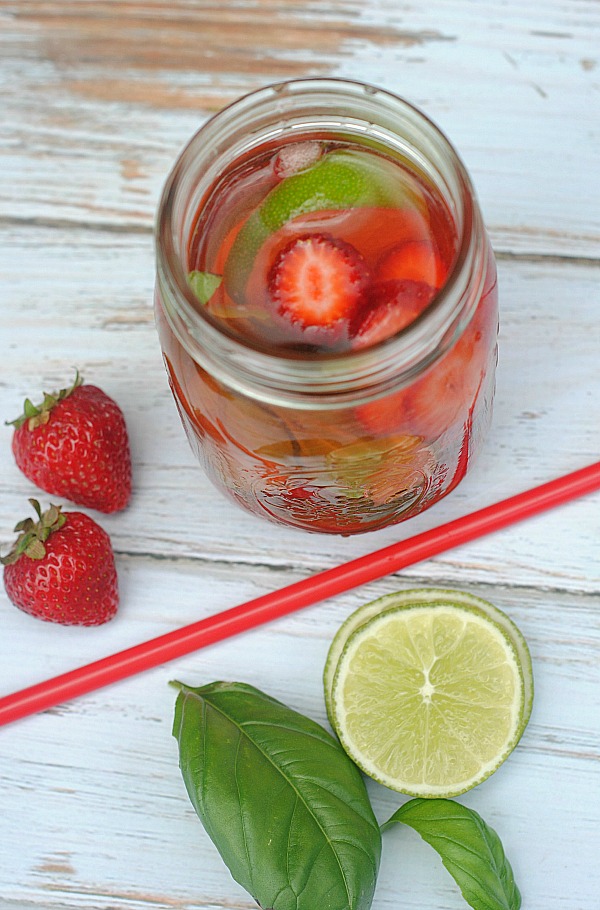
(293, 597)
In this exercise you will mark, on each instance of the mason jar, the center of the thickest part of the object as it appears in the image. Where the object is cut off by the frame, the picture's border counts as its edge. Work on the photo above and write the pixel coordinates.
(332, 437)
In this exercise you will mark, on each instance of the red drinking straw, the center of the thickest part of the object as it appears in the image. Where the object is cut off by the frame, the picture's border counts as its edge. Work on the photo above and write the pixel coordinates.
(297, 595)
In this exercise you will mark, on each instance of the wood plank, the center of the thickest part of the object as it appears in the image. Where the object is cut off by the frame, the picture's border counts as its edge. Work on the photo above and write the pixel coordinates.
(101, 810)
(104, 135)
(96, 99)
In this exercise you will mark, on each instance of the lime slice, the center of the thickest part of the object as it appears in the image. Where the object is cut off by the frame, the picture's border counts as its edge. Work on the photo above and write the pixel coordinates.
(430, 698)
(411, 597)
(341, 179)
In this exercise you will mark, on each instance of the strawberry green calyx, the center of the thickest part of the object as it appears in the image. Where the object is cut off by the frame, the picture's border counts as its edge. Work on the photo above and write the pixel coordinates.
(34, 534)
(37, 415)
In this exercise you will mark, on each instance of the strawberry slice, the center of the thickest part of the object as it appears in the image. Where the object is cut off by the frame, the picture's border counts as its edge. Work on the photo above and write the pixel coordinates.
(390, 306)
(415, 260)
(317, 280)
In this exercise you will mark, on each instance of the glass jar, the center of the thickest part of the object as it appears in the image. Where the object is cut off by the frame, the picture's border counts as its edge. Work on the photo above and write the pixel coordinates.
(338, 441)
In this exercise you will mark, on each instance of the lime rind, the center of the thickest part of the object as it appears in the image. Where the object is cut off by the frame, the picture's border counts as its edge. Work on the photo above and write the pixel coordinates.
(366, 619)
(339, 180)
(415, 596)
(426, 790)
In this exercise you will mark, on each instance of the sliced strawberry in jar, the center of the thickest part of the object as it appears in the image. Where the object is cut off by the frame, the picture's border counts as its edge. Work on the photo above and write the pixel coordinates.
(444, 395)
(389, 307)
(317, 280)
(415, 260)
(386, 415)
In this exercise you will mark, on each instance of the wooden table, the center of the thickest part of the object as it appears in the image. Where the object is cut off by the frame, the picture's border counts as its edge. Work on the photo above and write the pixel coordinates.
(96, 100)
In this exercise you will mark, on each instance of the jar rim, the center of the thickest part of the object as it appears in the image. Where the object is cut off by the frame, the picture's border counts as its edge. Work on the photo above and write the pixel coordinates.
(275, 375)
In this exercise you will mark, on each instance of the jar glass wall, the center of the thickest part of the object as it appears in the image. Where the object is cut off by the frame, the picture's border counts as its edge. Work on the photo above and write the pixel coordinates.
(336, 423)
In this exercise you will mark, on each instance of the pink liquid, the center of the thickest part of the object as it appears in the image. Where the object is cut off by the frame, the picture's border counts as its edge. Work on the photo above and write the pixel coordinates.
(350, 469)
(415, 241)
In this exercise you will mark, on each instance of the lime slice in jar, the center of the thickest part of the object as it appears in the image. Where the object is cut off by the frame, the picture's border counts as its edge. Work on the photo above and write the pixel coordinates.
(427, 696)
(340, 179)
(379, 469)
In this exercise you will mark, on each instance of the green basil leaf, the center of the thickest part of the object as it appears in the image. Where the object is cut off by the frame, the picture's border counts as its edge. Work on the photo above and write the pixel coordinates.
(204, 284)
(470, 850)
(284, 805)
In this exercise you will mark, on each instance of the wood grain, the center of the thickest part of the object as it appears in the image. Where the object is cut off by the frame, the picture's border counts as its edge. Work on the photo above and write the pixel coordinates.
(73, 106)
(96, 100)
(97, 287)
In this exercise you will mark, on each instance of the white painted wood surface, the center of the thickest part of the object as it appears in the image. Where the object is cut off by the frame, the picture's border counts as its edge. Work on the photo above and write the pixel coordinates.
(96, 99)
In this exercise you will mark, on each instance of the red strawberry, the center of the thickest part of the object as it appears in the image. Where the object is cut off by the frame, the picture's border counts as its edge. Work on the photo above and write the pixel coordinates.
(389, 307)
(415, 260)
(446, 392)
(75, 445)
(317, 280)
(387, 415)
(62, 569)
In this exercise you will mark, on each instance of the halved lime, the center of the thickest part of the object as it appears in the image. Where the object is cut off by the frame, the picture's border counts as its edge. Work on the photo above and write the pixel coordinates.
(429, 698)
(341, 179)
(411, 597)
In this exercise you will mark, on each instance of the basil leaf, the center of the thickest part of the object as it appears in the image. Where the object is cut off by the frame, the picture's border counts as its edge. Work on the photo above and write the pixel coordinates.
(204, 284)
(284, 805)
(470, 850)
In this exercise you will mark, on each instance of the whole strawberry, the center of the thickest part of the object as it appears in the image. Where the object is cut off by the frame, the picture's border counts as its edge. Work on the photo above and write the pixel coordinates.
(62, 569)
(75, 445)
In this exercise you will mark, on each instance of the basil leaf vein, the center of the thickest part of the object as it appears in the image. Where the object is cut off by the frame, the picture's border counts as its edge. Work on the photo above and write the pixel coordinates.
(284, 805)
(469, 848)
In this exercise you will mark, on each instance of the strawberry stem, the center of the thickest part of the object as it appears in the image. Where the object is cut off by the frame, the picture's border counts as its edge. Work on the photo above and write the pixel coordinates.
(34, 534)
(37, 415)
